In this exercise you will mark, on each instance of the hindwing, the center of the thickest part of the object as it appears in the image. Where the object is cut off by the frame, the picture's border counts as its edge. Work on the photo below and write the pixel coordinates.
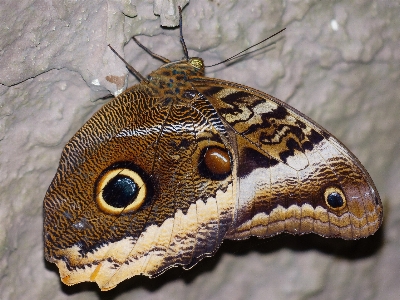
(288, 168)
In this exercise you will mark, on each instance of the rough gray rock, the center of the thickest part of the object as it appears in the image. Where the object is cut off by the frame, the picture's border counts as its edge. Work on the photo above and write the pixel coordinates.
(337, 61)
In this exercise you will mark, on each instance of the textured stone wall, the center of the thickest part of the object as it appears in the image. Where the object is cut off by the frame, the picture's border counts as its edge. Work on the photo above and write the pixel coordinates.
(337, 61)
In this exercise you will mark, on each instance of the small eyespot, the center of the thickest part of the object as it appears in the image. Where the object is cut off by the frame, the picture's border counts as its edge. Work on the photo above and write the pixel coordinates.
(120, 190)
(334, 198)
(215, 163)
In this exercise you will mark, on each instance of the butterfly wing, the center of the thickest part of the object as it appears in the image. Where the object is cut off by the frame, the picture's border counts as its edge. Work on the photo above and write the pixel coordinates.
(293, 176)
(162, 174)
(149, 146)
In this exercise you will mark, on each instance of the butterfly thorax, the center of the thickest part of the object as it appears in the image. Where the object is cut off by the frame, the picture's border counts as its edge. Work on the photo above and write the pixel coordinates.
(173, 79)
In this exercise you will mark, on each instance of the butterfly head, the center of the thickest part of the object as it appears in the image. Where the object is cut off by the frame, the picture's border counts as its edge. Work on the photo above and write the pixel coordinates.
(197, 63)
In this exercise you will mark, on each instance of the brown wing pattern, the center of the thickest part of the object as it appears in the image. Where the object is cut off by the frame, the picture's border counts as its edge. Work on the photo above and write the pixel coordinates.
(290, 170)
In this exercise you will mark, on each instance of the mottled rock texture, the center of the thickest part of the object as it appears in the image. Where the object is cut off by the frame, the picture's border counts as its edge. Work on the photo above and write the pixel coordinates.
(337, 61)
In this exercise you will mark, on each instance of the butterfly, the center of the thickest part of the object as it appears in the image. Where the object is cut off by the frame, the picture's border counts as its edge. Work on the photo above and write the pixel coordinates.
(166, 171)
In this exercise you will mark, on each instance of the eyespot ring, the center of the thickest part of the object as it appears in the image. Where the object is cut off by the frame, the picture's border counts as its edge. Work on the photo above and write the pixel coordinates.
(335, 198)
(120, 190)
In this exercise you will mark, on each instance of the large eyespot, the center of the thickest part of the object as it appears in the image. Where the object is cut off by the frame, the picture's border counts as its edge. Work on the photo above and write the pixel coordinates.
(215, 163)
(334, 198)
(120, 190)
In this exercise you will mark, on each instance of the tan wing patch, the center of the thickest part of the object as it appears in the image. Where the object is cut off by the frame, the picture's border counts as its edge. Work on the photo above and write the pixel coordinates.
(306, 219)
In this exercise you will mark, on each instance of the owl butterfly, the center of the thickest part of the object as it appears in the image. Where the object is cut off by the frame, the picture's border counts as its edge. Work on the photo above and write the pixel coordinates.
(166, 171)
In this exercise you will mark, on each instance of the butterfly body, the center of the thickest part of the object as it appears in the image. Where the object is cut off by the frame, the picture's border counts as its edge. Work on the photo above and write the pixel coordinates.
(163, 173)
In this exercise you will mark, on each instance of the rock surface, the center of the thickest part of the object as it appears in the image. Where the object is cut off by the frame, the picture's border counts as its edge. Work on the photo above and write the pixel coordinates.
(337, 62)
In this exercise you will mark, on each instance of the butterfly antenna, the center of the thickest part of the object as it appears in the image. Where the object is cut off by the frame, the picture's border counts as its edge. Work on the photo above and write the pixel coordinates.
(185, 51)
(240, 54)
(162, 58)
(129, 67)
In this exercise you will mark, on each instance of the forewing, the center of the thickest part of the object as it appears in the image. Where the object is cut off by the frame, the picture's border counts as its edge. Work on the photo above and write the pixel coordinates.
(184, 215)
